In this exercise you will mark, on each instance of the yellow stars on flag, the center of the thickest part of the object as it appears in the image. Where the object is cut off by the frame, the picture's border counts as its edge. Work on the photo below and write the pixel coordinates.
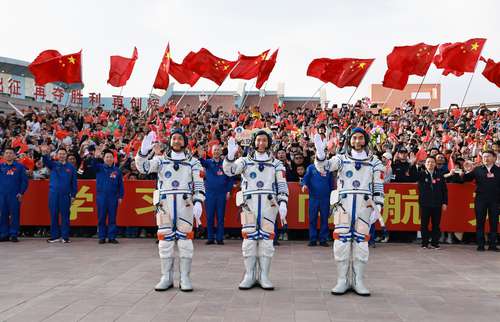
(222, 64)
(423, 51)
(72, 59)
(474, 46)
(62, 63)
(362, 65)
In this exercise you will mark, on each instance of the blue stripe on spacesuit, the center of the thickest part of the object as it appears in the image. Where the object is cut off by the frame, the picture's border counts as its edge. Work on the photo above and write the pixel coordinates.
(174, 223)
(259, 210)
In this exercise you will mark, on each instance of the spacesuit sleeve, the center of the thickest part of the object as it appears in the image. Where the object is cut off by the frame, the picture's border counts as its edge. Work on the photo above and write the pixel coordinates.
(232, 168)
(281, 183)
(198, 185)
(146, 166)
(378, 182)
(333, 164)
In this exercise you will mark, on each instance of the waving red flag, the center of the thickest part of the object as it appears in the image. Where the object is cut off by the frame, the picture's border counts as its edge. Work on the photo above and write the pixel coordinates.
(266, 67)
(51, 66)
(162, 80)
(248, 66)
(492, 71)
(460, 57)
(342, 72)
(121, 69)
(209, 66)
(183, 74)
(404, 61)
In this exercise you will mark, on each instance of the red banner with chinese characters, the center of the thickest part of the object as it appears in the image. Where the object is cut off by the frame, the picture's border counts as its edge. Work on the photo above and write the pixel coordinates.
(401, 211)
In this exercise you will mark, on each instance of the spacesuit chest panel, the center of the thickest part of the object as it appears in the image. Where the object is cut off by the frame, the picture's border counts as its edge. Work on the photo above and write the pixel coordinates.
(258, 177)
(174, 176)
(355, 176)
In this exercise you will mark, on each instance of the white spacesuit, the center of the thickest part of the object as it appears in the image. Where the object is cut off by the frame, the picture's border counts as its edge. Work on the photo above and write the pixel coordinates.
(179, 196)
(357, 203)
(264, 193)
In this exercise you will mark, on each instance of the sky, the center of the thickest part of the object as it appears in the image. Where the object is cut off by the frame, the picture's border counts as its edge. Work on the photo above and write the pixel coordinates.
(303, 30)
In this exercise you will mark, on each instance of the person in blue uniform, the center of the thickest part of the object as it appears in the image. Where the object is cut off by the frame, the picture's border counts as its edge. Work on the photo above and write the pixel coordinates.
(13, 184)
(109, 187)
(319, 186)
(62, 192)
(218, 188)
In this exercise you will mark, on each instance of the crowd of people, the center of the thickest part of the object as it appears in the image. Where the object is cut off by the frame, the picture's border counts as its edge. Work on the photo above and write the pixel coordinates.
(402, 138)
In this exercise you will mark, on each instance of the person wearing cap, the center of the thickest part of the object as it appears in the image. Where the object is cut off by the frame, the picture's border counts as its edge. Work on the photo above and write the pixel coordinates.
(357, 203)
(487, 199)
(402, 170)
(13, 185)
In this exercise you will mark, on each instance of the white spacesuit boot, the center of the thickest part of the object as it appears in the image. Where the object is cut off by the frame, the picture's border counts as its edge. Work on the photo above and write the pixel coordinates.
(343, 284)
(167, 274)
(358, 270)
(249, 279)
(185, 269)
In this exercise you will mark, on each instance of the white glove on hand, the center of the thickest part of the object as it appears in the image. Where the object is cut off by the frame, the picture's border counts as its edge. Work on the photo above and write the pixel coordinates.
(320, 147)
(147, 143)
(374, 216)
(197, 210)
(232, 147)
(282, 211)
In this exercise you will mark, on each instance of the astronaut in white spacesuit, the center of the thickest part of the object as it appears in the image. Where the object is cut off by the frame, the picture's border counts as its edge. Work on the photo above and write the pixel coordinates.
(178, 198)
(356, 202)
(264, 194)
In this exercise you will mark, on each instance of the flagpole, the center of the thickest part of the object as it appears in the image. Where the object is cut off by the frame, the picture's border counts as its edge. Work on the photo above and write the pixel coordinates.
(419, 87)
(387, 97)
(121, 90)
(180, 99)
(310, 98)
(470, 80)
(260, 97)
(246, 95)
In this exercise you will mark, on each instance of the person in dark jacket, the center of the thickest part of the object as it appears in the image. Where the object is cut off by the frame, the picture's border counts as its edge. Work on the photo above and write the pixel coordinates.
(487, 177)
(402, 170)
(433, 200)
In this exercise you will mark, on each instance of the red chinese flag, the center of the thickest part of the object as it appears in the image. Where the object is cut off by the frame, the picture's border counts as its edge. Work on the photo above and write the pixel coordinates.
(421, 154)
(342, 72)
(395, 79)
(121, 69)
(51, 66)
(451, 163)
(404, 61)
(492, 71)
(248, 66)
(161, 80)
(266, 67)
(460, 57)
(182, 74)
(209, 66)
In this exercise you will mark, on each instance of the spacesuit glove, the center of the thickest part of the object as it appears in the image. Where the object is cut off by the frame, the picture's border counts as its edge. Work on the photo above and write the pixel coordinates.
(197, 210)
(374, 216)
(282, 211)
(147, 143)
(232, 147)
(320, 147)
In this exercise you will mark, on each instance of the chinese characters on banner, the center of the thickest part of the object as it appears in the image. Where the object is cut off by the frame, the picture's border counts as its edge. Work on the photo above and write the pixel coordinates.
(401, 211)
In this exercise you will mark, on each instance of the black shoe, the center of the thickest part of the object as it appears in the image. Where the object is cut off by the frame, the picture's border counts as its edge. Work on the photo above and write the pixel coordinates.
(312, 244)
(435, 247)
(220, 242)
(324, 244)
(113, 241)
(493, 249)
(276, 243)
(53, 240)
(102, 241)
(425, 246)
(480, 248)
(66, 241)
(210, 242)
(14, 239)
(4, 239)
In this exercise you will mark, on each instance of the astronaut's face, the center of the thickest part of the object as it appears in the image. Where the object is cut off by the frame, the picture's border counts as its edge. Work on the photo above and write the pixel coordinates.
(177, 142)
(358, 141)
(261, 143)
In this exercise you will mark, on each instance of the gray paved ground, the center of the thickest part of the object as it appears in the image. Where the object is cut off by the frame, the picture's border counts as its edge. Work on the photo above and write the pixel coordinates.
(89, 282)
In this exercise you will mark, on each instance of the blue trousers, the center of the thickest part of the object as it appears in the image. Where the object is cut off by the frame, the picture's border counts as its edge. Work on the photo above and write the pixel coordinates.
(59, 203)
(215, 203)
(321, 205)
(106, 207)
(9, 207)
